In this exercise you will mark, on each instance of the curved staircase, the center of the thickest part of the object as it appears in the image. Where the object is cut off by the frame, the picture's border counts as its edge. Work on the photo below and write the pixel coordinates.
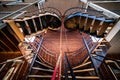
(83, 64)
(92, 24)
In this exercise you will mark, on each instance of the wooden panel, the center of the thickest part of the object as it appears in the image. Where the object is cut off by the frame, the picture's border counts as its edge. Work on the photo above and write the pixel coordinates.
(30, 24)
(7, 41)
(105, 26)
(96, 24)
(23, 26)
(16, 30)
(83, 20)
(44, 23)
(37, 22)
(4, 46)
(8, 32)
(89, 22)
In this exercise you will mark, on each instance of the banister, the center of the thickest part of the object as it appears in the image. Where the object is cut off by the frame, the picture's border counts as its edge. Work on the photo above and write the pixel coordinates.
(89, 52)
(35, 56)
(79, 9)
(46, 9)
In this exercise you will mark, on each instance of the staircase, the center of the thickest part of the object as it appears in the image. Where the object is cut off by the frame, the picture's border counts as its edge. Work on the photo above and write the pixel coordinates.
(87, 63)
(40, 21)
(83, 20)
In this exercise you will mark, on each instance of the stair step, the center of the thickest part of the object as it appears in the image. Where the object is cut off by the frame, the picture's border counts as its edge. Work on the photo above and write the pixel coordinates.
(104, 41)
(40, 76)
(98, 50)
(102, 45)
(41, 69)
(83, 70)
(84, 77)
(87, 63)
(94, 55)
(44, 64)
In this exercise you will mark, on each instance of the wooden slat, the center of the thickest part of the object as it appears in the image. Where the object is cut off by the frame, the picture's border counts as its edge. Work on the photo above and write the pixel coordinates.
(98, 50)
(4, 46)
(37, 22)
(96, 24)
(41, 69)
(6, 41)
(83, 70)
(104, 26)
(9, 33)
(83, 20)
(81, 65)
(43, 21)
(21, 24)
(30, 24)
(85, 77)
(40, 76)
(102, 29)
(89, 23)
(16, 29)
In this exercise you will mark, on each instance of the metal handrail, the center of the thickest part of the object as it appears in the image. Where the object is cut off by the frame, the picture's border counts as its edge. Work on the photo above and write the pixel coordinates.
(89, 53)
(47, 9)
(80, 9)
(35, 56)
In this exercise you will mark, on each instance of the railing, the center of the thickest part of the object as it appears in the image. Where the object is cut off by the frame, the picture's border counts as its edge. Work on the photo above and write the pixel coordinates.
(44, 10)
(89, 52)
(35, 56)
(48, 56)
(83, 10)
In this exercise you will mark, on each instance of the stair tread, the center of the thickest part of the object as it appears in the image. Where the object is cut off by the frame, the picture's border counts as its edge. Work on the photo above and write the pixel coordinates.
(37, 68)
(84, 77)
(83, 70)
(40, 76)
(98, 50)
